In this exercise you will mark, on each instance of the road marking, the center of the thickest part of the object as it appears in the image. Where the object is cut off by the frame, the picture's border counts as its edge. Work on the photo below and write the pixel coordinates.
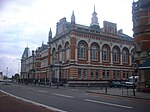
(111, 104)
(35, 103)
(40, 91)
(63, 95)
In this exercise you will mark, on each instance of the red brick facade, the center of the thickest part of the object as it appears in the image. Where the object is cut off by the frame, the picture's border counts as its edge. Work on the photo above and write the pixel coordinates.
(141, 28)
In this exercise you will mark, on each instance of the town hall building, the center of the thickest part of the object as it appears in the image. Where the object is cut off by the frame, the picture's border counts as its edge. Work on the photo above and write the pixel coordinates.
(82, 52)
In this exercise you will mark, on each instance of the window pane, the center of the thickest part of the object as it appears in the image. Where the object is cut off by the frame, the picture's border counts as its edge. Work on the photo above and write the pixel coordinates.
(92, 74)
(84, 74)
(105, 54)
(79, 74)
(94, 53)
(115, 55)
(97, 76)
(81, 51)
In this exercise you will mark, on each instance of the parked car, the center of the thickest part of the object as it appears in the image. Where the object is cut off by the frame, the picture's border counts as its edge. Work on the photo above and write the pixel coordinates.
(7, 82)
(115, 84)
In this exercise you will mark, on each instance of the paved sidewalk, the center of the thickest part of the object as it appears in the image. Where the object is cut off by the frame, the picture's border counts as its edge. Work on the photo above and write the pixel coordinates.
(11, 104)
(121, 92)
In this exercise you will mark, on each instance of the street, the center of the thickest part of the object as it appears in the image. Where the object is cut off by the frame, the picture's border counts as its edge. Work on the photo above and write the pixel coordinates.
(76, 99)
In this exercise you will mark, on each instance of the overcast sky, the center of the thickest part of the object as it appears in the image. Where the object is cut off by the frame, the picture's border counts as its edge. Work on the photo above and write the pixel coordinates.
(27, 22)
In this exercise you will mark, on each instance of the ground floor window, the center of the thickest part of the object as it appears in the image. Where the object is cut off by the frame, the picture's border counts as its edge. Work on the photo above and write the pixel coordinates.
(107, 74)
(114, 74)
(118, 75)
(127, 75)
(85, 73)
(92, 74)
(79, 74)
(97, 75)
(103, 74)
(124, 74)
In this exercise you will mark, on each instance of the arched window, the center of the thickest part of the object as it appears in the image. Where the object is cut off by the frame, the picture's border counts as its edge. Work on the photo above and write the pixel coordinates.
(60, 53)
(82, 50)
(105, 54)
(132, 56)
(115, 55)
(67, 48)
(94, 53)
(124, 56)
(54, 56)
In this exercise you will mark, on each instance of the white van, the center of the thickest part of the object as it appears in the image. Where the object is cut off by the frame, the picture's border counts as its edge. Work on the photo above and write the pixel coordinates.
(133, 80)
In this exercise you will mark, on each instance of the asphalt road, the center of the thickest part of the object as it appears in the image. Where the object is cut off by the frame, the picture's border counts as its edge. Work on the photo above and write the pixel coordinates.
(77, 100)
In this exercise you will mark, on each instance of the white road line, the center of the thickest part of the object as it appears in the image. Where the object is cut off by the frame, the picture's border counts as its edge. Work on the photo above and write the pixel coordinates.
(35, 103)
(40, 91)
(56, 94)
(111, 104)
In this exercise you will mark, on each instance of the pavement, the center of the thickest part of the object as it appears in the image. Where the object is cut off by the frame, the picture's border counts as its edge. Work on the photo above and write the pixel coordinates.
(12, 104)
(122, 92)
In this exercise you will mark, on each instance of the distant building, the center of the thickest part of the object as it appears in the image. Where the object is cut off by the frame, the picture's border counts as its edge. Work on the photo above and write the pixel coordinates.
(141, 28)
(82, 52)
(25, 55)
(41, 63)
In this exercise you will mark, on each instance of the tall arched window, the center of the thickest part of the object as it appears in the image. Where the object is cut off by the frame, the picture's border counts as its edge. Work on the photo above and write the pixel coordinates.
(54, 56)
(82, 50)
(67, 48)
(115, 55)
(132, 56)
(94, 53)
(124, 56)
(105, 54)
(60, 53)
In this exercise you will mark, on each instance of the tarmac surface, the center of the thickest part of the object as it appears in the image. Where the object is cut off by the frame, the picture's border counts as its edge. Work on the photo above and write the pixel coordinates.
(11, 104)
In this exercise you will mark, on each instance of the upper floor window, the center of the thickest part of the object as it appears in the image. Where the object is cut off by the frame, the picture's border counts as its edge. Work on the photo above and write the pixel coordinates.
(54, 57)
(82, 51)
(60, 54)
(67, 51)
(115, 55)
(105, 54)
(94, 53)
(124, 56)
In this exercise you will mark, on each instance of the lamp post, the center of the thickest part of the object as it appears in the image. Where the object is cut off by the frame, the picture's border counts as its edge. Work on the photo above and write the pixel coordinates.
(50, 73)
(6, 75)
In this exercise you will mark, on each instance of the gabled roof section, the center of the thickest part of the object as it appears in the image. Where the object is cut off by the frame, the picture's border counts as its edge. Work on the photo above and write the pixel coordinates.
(125, 37)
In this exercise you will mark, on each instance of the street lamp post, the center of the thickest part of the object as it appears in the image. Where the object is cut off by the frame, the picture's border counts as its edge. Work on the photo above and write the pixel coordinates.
(50, 73)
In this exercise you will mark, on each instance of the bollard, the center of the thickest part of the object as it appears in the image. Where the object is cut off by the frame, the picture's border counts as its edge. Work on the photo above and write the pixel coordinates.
(122, 91)
(133, 90)
(105, 89)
